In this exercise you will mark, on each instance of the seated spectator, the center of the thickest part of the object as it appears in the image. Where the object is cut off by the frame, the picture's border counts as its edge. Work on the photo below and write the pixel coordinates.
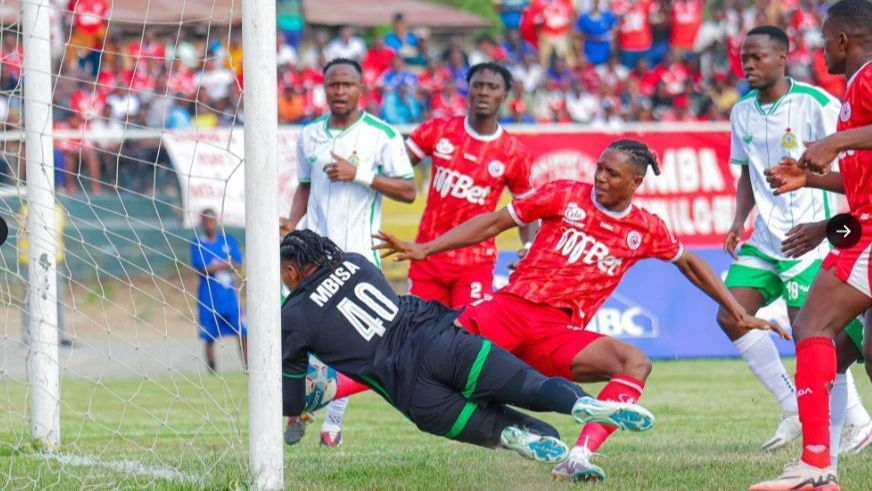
(180, 80)
(458, 67)
(518, 98)
(560, 72)
(723, 95)
(425, 52)
(125, 105)
(588, 75)
(581, 105)
(316, 51)
(378, 59)
(215, 79)
(517, 114)
(87, 102)
(448, 102)
(400, 106)
(645, 77)
(515, 47)
(205, 116)
(486, 50)
(290, 105)
(347, 45)
(597, 27)
(286, 54)
(433, 79)
(149, 48)
(529, 72)
(612, 72)
(673, 74)
(397, 75)
(401, 39)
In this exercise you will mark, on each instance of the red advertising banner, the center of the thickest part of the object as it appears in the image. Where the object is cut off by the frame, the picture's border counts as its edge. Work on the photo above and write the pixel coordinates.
(695, 193)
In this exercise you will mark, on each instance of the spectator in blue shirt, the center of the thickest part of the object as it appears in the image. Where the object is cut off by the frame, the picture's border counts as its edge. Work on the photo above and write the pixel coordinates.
(401, 107)
(217, 258)
(515, 46)
(402, 40)
(511, 11)
(397, 75)
(597, 29)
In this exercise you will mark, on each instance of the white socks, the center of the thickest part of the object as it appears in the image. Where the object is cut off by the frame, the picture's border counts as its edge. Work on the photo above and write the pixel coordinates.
(759, 352)
(838, 406)
(855, 413)
(335, 413)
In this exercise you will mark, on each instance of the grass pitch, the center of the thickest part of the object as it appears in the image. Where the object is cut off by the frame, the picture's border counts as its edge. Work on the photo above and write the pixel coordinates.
(169, 434)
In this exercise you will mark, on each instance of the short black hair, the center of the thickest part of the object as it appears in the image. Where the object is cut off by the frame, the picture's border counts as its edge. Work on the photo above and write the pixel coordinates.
(852, 15)
(343, 61)
(775, 33)
(492, 67)
(209, 212)
(306, 248)
(639, 154)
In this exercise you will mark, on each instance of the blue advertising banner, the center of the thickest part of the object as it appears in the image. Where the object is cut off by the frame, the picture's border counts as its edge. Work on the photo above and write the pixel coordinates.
(658, 310)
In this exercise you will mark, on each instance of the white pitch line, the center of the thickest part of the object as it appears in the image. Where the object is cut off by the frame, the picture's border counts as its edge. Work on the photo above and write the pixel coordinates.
(124, 466)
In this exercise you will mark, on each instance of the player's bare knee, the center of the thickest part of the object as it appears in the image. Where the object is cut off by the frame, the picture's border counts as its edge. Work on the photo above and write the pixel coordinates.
(636, 364)
(727, 323)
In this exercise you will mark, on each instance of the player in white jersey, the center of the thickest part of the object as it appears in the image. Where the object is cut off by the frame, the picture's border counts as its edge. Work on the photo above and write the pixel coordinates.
(346, 161)
(769, 124)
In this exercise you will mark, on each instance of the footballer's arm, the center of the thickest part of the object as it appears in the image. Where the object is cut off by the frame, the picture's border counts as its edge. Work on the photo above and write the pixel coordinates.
(701, 274)
(400, 189)
(299, 206)
(470, 232)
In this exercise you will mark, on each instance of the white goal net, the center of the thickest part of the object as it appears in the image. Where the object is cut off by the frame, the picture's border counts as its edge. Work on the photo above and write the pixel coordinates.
(146, 102)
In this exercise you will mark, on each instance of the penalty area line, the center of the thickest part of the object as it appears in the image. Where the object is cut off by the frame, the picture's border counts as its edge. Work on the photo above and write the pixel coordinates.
(128, 467)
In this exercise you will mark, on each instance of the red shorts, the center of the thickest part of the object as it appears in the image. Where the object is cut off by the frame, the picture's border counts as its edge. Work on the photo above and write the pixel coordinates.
(451, 284)
(539, 334)
(852, 265)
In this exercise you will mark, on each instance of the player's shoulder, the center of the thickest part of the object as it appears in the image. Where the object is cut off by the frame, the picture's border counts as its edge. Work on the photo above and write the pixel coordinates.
(746, 102)
(316, 124)
(813, 95)
(378, 126)
(575, 189)
(647, 219)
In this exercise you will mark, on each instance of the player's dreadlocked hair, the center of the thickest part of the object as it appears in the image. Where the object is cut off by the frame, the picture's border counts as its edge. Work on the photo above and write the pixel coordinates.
(306, 248)
(639, 153)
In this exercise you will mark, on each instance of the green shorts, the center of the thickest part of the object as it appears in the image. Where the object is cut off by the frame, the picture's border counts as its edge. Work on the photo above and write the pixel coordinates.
(784, 278)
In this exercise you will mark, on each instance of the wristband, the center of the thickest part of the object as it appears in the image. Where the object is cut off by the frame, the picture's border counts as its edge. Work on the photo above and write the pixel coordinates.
(364, 177)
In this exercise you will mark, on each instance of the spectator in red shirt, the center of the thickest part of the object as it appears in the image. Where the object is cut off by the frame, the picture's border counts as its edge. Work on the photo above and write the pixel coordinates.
(433, 79)
(635, 38)
(448, 102)
(378, 58)
(834, 84)
(686, 19)
(554, 19)
(645, 77)
(673, 74)
(12, 56)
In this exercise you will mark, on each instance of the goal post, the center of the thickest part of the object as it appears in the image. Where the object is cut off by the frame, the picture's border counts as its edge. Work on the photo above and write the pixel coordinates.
(262, 238)
(42, 334)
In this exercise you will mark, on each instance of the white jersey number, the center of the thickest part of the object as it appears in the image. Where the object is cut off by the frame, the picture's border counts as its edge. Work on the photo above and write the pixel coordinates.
(365, 323)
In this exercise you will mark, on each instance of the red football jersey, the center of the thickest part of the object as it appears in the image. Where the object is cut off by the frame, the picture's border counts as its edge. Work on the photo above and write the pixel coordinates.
(856, 165)
(582, 250)
(469, 174)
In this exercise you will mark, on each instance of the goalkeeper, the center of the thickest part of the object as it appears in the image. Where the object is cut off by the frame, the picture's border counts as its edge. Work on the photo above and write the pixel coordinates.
(445, 380)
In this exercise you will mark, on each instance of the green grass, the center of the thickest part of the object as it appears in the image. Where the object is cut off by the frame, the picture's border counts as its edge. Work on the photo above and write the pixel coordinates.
(711, 418)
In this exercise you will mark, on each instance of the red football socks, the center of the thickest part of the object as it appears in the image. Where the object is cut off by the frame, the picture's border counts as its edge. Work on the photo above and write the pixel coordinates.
(620, 388)
(346, 387)
(815, 374)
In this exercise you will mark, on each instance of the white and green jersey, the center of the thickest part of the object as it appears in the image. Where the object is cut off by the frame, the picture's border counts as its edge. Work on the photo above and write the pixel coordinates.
(762, 135)
(348, 213)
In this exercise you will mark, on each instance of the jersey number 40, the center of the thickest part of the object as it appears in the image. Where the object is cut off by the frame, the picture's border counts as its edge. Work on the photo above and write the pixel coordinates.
(365, 323)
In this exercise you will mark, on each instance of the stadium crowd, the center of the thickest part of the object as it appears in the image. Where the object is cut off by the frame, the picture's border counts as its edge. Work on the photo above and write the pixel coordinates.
(574, 61)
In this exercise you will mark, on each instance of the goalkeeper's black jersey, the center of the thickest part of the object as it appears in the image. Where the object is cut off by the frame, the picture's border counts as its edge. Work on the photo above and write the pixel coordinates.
(352, 320)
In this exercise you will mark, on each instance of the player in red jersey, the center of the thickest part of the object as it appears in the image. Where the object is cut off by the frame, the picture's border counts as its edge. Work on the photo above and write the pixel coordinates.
(589, 237)
(841, 289)
(473, 160)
